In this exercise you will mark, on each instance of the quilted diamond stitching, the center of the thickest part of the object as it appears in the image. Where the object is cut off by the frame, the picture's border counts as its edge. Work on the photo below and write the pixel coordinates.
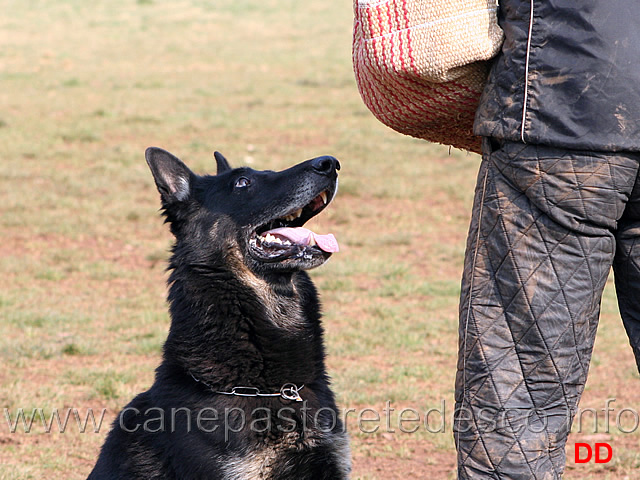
(524, 278)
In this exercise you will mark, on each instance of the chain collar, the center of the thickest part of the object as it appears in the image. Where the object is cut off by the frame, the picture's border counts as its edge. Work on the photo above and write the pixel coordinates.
(288, 391)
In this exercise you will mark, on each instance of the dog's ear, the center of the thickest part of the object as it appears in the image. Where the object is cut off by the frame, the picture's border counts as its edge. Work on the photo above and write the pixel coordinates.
(173, 178)
(222, 163)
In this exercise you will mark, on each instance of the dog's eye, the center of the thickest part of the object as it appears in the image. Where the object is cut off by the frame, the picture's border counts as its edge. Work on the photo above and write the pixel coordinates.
(243, 182)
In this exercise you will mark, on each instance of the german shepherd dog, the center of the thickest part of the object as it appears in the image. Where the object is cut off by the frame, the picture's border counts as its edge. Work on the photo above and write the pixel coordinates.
(242, 390)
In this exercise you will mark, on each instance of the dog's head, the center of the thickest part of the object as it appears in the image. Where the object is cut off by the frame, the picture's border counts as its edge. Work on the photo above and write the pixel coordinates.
(256, 215)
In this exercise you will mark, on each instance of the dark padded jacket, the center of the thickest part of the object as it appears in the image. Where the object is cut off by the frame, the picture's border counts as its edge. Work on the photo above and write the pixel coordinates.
(568, 75)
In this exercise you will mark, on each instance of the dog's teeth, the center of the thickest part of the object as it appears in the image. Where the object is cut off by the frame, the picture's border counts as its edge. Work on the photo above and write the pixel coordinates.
(323, 195)
(273, 239)
(291, 217)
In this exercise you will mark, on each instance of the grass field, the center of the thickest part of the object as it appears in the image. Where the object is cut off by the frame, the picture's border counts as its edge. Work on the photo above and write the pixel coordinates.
(85, 87)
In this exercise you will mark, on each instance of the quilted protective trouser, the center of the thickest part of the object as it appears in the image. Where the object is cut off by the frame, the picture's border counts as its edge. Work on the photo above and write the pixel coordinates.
(547, 226)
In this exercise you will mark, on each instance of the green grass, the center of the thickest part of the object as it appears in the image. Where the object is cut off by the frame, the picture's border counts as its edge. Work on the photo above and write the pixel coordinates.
(87, 86)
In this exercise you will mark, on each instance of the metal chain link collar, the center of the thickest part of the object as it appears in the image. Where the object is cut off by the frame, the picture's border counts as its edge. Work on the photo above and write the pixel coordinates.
(288, 391)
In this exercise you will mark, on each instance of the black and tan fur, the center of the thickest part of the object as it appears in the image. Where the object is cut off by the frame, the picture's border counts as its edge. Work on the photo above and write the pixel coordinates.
(242, 315)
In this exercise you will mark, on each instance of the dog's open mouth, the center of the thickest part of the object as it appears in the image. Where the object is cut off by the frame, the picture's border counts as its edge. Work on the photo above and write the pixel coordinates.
(284, 237)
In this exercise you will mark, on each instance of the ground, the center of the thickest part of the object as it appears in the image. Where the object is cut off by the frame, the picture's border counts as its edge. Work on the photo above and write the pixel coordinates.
(87, 86)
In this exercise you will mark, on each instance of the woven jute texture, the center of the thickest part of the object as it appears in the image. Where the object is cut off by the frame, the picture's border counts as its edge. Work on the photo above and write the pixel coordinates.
(421, 65)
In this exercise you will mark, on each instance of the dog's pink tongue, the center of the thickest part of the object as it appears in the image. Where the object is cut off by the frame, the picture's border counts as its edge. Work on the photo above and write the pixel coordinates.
(303, 236)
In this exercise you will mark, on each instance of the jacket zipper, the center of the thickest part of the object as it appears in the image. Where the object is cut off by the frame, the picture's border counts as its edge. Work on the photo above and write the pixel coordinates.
(526, 75)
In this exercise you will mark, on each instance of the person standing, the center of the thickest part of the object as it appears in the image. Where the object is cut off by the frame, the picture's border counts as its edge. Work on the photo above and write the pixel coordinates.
(557, 204)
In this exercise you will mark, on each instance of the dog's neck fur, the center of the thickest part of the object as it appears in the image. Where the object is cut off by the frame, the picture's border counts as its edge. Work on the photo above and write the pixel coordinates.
(268, 335)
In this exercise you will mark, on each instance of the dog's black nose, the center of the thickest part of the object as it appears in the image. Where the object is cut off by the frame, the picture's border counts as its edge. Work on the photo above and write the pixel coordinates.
(325, 164)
